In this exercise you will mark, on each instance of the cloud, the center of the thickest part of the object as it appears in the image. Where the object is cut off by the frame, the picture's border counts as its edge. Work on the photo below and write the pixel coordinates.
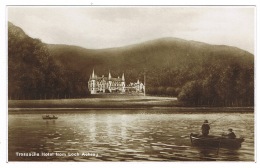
(105, 27)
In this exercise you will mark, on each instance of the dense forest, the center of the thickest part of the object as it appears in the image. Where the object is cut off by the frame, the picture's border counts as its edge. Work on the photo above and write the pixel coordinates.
(199, 74)
(34, 74)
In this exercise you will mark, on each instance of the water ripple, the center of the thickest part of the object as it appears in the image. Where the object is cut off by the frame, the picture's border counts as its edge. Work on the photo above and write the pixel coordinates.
(126, 136)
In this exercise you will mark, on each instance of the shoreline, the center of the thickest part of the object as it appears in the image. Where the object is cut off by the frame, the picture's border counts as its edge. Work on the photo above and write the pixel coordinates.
(170, 104)
(166, 109)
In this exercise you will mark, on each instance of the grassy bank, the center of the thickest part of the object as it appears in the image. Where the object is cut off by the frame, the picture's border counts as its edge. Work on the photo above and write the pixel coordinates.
(108, 102)
(133, 102)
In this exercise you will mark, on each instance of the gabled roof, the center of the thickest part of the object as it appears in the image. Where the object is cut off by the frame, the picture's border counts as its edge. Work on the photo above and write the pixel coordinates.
(116, 79)
(106, 79)
(109, 78)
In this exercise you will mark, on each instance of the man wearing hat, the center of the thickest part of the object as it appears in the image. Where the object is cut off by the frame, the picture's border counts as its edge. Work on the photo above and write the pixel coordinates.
(230, 134)
(205, 128)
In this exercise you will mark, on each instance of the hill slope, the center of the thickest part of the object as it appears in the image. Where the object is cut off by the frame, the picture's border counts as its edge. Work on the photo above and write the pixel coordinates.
(172, 53)
(199, 73)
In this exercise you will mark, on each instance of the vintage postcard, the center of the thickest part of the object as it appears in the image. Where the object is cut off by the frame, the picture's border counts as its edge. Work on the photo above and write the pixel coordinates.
(131, 83)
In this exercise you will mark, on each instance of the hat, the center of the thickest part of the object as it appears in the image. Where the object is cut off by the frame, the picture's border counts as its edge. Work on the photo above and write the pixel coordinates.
(206, 121)
(230, 129)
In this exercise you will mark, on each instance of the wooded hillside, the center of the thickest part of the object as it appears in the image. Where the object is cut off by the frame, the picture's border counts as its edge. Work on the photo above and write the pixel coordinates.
(197, 73)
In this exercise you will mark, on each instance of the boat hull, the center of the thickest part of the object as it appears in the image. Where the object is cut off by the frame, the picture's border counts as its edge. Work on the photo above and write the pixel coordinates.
(215, 141)
(49, 118)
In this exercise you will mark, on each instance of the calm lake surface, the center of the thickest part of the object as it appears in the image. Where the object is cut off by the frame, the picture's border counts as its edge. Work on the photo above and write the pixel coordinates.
(123, 135)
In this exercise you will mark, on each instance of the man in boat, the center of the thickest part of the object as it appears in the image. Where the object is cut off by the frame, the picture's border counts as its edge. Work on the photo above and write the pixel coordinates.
(205, 128)
(230, 134)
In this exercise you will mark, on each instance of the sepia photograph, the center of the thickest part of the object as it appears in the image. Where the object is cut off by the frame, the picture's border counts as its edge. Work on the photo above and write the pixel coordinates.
(131, 83)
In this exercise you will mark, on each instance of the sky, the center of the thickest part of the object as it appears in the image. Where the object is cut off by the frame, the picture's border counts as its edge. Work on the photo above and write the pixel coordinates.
(108, 27)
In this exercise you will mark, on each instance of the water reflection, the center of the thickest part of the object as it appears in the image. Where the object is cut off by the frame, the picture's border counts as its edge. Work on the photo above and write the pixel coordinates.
(108, 121)
(48, 122)
(123, 119)
(124, 136)
(231, 154)
(92, 127)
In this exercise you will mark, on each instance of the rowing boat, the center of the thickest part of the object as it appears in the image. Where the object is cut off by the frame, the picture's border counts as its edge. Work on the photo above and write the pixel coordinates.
(47, 117)
(215, 141)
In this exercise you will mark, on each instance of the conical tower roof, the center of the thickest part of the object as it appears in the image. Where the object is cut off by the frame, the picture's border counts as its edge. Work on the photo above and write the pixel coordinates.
(123, 77)
(93, 74)
(109, 75)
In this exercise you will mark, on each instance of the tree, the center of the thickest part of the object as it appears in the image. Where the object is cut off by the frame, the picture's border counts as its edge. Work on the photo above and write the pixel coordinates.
(191, 93)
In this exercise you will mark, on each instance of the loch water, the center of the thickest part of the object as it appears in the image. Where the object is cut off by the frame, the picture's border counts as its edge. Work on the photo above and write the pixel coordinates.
(123, 135)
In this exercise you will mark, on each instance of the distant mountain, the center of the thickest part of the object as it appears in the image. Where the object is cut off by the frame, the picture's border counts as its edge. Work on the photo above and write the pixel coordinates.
(161, 53)
(223, 74)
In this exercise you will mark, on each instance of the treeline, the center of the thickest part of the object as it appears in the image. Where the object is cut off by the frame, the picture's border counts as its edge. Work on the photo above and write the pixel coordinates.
(34, 74)
(228, 85)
